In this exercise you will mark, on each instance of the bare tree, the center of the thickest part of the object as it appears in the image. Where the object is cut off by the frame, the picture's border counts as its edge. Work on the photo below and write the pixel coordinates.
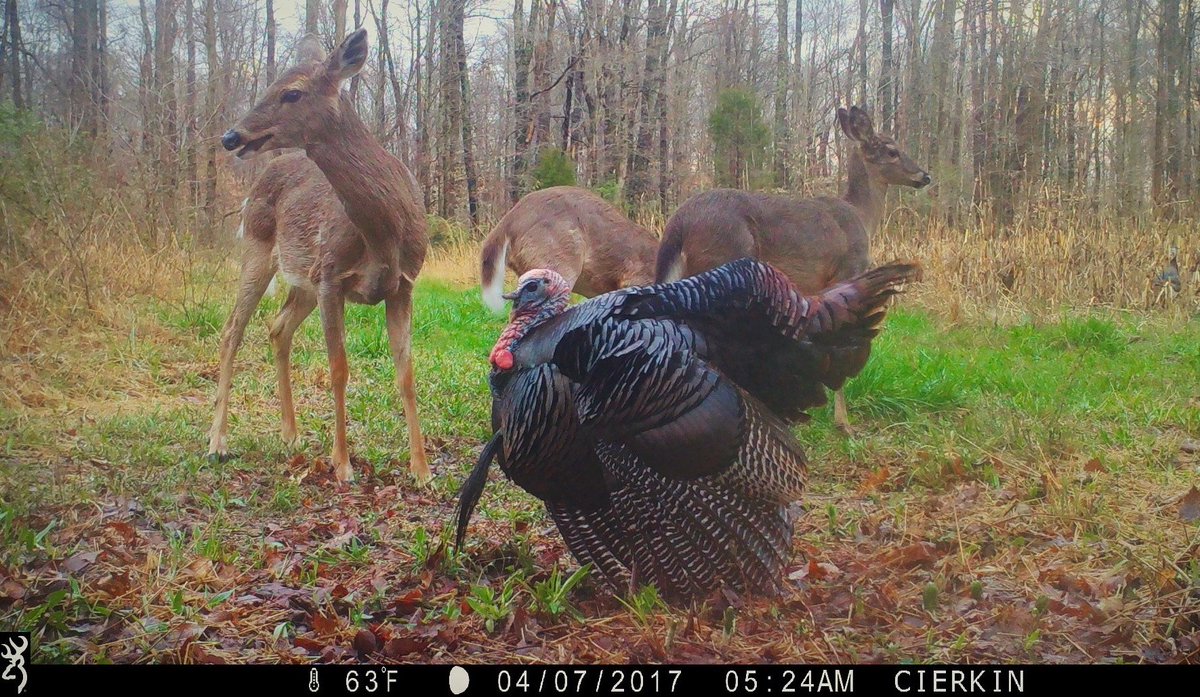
(14, 47)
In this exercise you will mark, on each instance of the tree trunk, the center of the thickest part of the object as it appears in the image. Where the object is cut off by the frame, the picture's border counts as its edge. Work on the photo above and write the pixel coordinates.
(190, 144)
(887, 73)
(458, 7)
(312, 12)
(401, 105)
(145, 78)
(860, 42)
(421, 158)
(941, 56)
(271, 68)
(101, 66)
(781, 88)
(13, 22)
(1127, 162)
(214, 111)
(1166, 151)
(522, 53)
(339, 20)
(83, 104)
(637, 182)
(381, 76)
(980, 109)
(164, 91)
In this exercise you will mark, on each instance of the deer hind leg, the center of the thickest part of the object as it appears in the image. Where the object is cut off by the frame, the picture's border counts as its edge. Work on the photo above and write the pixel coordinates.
(399, 326)
(258, 268)
(333, 321)
(840, 416)
(299, 305)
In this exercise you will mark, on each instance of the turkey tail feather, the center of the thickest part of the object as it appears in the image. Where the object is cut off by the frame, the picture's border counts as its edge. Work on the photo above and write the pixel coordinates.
(684, 537)
(862, 298)
(472, 488)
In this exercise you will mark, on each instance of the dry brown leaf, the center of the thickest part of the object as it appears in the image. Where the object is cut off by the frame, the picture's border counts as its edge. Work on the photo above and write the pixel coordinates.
(365, 642)
(115, 585)
(325, 624)
(408, 602)
(875, 480)
(309, 644)
(402, 646)
(1093, 465)
(80, 561)
(1189, 505)
(11, 589)
(910, 556)
(198, 654)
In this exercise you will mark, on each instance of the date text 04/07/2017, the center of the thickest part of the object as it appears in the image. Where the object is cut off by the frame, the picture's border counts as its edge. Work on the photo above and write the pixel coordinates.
(591, 680)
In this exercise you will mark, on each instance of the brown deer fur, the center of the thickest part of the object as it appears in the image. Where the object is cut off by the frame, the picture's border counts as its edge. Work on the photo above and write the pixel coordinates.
(574, 232)
(817, 242)
(342, 221)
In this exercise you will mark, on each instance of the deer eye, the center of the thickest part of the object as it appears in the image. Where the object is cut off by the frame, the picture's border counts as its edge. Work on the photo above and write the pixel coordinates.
(291, 96)
(893, 152)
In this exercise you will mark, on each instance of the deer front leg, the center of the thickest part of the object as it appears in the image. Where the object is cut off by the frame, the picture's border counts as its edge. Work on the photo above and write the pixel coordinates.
(399, 326)
(258, 266)
(333, 310)
(299, 304)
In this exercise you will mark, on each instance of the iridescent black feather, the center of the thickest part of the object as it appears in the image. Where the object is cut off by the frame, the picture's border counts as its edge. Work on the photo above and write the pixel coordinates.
(653, 421)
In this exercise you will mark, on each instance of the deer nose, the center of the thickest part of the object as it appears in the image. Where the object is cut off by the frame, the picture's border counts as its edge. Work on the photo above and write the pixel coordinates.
(231, 139)
(926, 179)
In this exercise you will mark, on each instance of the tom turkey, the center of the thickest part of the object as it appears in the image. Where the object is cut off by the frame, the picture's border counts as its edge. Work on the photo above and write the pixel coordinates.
(651, 420)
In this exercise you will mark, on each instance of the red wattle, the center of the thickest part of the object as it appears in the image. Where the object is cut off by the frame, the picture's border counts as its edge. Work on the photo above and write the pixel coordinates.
(502, 359)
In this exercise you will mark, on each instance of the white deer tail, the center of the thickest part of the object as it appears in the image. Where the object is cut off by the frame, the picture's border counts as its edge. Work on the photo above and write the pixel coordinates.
(491, 277)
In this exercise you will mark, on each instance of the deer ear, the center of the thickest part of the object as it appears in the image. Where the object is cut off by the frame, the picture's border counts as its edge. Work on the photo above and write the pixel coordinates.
(348, 58)
(864, 130)
(310, 50)
(843, 119)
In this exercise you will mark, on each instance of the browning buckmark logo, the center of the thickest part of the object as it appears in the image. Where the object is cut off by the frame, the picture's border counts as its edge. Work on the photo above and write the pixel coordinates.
(14, 649)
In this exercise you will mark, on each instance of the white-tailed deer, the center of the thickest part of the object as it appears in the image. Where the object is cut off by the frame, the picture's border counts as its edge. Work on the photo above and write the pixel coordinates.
(817, 242)
(343, 221)
(571, 231)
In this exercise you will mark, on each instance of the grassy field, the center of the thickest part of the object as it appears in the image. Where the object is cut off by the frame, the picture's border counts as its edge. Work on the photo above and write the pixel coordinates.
(1015, 492)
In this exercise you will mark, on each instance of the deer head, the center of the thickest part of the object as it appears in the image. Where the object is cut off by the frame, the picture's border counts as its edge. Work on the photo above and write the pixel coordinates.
(883, 158)
(299, 107)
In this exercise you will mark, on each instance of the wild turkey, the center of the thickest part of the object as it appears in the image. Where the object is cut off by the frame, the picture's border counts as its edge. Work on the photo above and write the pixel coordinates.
(1167, 284)
(651, 420)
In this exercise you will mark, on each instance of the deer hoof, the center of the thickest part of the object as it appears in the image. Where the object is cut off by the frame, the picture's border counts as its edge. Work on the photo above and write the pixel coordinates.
(291, 439)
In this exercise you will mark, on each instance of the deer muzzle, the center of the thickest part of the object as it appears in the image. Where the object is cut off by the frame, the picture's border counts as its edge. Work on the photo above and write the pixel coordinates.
(232, 139)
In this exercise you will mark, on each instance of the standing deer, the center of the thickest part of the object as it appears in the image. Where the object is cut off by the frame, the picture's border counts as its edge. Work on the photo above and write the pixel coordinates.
(343, 221)
(574, 232)
(817, 242)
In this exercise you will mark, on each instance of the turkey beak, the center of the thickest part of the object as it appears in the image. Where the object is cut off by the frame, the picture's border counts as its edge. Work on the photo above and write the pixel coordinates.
(511, 296)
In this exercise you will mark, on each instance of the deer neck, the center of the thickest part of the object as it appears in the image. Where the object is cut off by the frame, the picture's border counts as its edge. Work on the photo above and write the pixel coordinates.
(864, 191)
(371, 184)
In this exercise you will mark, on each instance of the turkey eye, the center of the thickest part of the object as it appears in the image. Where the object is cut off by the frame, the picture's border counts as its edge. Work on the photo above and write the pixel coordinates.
(291, 96)
(530, 287)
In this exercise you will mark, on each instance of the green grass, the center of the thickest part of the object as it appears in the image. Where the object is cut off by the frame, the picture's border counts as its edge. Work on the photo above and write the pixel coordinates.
(938, 405)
